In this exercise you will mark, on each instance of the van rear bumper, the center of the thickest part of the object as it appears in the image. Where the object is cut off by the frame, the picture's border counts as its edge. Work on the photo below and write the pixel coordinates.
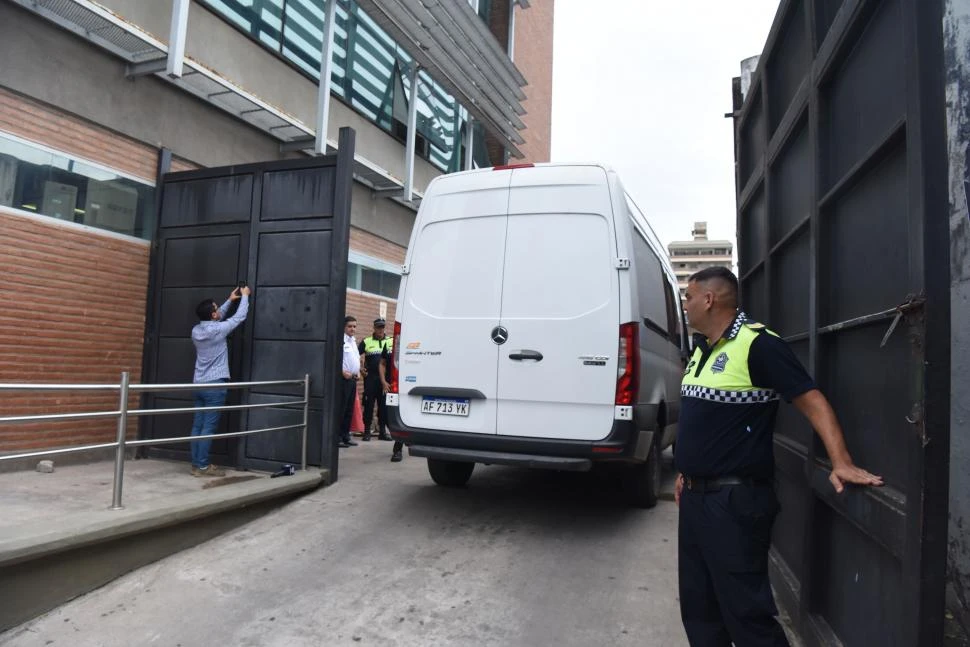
(624, 443)
(501, 458)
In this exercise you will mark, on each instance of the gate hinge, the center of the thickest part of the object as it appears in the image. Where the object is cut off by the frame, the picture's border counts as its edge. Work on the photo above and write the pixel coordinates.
(405, 270)
(623, 263)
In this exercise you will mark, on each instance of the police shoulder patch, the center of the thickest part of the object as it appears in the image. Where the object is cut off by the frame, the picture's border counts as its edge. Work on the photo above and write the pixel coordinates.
(720, 363)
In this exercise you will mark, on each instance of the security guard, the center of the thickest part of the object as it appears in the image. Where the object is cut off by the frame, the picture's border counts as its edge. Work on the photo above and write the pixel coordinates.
(375, 386)
(725, 489)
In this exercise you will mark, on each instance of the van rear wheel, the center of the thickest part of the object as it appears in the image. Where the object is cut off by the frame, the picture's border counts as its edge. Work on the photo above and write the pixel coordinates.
(643, 480)
(450, 473)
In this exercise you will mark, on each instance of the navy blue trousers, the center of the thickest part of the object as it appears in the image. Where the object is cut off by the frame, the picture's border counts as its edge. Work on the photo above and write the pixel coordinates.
(725, 595)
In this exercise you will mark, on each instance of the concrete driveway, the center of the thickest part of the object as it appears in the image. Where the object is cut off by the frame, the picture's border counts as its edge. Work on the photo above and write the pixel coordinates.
(385, 557)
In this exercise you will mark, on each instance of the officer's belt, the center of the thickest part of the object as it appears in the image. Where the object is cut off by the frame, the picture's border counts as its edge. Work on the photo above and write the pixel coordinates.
(710, 484)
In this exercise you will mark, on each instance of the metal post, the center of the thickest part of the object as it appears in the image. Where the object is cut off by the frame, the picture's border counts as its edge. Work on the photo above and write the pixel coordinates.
(306, 416)
(176, 39)
(511, 42)
(470, 143)
(120, 450)
(412, 128)
(326, 68)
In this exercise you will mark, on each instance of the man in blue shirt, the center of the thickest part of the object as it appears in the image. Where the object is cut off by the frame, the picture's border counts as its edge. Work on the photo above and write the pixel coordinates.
(211, 367)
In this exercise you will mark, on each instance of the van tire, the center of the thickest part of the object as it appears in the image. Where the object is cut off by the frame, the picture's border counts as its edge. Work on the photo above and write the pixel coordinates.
(643, 480)
(450, 473)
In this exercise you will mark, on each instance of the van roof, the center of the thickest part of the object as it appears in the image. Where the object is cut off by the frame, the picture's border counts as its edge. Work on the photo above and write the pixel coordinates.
(516, 166)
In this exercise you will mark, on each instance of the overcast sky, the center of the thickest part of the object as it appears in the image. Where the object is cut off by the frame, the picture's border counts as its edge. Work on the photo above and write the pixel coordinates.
(643, 86)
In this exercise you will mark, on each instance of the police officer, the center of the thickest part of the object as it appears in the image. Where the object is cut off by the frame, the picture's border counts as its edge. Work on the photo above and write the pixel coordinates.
(725, 489)
(371, 350)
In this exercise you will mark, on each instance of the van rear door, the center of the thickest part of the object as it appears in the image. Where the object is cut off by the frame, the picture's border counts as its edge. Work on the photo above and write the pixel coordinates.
(560, 306)
(452, 297)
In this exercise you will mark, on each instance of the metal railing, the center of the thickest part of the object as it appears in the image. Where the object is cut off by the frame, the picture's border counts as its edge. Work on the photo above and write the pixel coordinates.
(125, 388)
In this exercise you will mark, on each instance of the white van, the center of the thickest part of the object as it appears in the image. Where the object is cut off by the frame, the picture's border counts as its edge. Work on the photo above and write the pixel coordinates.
(538, 324)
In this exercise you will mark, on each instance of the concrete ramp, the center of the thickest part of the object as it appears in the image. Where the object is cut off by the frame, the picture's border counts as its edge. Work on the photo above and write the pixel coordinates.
(59, 540)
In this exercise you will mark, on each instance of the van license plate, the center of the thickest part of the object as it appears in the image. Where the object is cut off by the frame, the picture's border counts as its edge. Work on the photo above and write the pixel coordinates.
(445, 406)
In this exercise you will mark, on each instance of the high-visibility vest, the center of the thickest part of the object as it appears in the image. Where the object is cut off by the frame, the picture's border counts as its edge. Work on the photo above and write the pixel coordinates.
(724, 376)
(376, 346)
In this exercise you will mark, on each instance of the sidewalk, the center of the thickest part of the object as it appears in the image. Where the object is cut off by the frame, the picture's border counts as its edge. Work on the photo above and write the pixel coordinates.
(60, 538)
(31, 497)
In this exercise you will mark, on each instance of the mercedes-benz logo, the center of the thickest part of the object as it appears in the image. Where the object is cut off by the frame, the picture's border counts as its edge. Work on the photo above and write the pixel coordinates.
(500, 335)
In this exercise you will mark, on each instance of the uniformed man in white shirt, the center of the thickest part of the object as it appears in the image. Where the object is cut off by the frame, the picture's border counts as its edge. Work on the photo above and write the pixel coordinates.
(350, 374)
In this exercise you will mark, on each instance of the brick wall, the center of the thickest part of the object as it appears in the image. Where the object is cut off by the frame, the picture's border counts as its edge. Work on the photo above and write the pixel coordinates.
(38, 122)
(533, 57)
(72, 312)
(364, 306)
(72, 299)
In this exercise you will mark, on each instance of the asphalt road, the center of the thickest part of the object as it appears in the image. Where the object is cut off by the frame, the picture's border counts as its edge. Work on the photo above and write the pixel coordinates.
(385, 557)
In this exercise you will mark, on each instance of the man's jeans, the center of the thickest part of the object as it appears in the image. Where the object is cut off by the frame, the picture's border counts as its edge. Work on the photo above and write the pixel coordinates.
(206, 423)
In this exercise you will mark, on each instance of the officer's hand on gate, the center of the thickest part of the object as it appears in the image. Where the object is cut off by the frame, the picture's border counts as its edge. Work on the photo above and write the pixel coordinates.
(842, 474)
(678, 486)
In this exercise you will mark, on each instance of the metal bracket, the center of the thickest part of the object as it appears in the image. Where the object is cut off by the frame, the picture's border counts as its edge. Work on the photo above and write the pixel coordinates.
(298, 144)
(912, 302)
(144, 68)
(387, 193)
(623, 263)
(405, 270)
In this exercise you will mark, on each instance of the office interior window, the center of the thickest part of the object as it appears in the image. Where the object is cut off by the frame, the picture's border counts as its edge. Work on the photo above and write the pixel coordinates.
(33, 178)
(373, 276)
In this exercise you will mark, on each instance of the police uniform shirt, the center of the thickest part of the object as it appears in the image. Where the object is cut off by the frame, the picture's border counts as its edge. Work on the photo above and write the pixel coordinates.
(729, 401)
(371, 349)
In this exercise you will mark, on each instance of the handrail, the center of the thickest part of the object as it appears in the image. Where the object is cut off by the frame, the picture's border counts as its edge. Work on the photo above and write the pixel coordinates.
(122, 413)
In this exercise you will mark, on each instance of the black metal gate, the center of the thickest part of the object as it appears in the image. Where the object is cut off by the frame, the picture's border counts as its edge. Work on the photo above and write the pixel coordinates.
(284, 228)
(843, 246)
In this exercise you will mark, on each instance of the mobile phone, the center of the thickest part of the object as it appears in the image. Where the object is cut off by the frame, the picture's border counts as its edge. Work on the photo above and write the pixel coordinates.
(242, 284)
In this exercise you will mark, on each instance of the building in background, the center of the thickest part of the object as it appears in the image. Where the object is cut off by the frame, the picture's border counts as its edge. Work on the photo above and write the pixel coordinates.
(92, 106)
(689, 256)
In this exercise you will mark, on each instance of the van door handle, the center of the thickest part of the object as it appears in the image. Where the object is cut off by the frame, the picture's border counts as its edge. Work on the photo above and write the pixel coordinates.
(526, 354)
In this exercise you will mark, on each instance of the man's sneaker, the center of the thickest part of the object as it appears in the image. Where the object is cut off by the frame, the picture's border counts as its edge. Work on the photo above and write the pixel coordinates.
(385, 436)
(366, 437)
(396, 457)
(211, 470)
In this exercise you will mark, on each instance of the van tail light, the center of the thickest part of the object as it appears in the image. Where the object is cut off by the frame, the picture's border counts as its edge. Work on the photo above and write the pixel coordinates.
(395, 356)
(628, 365)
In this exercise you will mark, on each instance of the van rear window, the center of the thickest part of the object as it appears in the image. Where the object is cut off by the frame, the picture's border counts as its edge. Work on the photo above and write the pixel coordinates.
(557, 265)
(456, 268)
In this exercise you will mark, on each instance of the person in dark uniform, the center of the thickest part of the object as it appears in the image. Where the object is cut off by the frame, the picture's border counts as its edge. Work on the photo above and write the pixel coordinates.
(375, 386)
(725, 460)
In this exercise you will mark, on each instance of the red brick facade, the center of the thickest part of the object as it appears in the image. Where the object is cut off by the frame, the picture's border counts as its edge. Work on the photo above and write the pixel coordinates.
(73, 312)
(366, 307)
(533, 57)
(73, 298)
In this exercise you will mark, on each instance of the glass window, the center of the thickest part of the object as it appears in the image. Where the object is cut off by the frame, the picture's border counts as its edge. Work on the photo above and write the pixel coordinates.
(373, 276)
(370, 69)
(60, 186)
